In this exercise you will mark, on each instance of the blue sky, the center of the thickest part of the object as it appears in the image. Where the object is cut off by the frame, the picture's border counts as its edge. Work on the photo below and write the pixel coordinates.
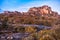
(24, 5)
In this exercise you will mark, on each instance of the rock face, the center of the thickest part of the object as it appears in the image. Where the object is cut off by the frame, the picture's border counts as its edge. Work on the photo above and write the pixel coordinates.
(43, 10)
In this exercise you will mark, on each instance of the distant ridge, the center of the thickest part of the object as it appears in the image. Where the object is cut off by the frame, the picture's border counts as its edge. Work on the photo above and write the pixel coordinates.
(34, 11)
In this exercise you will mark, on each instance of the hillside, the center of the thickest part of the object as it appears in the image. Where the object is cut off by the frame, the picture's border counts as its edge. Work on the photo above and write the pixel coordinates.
(34, 15)
(47, 20)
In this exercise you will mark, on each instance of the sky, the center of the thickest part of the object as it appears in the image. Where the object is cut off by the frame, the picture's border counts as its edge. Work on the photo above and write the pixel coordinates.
(24, 5)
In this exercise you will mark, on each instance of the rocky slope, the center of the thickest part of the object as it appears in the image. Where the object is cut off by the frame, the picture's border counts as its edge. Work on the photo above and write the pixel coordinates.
(34, 16)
